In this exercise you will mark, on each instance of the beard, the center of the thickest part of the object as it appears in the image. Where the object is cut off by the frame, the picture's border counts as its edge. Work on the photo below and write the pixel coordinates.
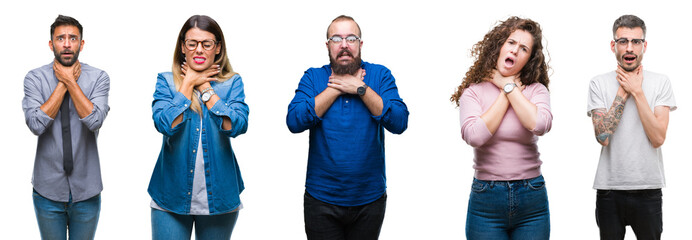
(65, 62)
(351, 68)
(635, 64)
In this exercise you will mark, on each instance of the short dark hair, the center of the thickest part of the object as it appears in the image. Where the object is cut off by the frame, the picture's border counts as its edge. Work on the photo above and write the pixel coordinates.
(629, 21)
(344, 18)
(63, 20)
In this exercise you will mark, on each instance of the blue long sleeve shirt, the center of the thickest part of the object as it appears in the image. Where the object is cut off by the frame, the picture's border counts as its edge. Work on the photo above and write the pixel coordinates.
(173, 177)
(346, 162)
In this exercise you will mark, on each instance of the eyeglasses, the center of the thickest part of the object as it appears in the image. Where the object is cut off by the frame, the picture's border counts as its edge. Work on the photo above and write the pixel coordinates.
(625, 41)
(350, 39)
(191, 44)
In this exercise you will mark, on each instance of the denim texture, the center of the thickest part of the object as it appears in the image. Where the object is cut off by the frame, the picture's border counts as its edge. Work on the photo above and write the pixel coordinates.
(324, 221)
(508, 210)
(172, 180)
(58, 220)
(641, 209)
(171, 226)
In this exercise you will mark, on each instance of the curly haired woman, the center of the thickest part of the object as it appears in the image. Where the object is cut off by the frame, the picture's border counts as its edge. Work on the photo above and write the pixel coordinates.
(504, 105)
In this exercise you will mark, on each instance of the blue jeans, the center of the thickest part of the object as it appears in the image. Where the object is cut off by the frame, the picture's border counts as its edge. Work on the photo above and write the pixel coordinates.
(501, 210)
(324, 221)
(640, 209)
(170, 226)
(56, 218)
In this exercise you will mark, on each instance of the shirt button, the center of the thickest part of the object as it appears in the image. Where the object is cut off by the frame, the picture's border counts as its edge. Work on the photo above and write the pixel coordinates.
(194, 150)
(346, 101)
(217, 112)
(185, 105)
(209, 192)
(198, 129)
(188, 193)
(205, 150)
(192, 170)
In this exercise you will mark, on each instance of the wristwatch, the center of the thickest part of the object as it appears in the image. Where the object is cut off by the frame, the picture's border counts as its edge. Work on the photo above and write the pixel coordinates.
(207, 93)
(361, 89)
(509, 87)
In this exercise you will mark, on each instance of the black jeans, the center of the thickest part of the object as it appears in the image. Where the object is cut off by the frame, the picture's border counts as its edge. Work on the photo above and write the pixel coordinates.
(641, 209)
(332, 222)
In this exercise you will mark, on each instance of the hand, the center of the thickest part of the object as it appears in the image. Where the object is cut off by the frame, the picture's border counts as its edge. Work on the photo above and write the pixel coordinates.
(500, 81)
(631, 82)
(347, 84)
(197, 79)
(519, 84)
(67, 75)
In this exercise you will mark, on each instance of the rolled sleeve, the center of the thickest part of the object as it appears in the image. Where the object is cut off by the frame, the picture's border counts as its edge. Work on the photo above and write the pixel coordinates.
(37, 120)
(301, 111)
(544, 119)
(168, 104)
(394, 115)
(474, 131)
(233, 106)
(99, 99)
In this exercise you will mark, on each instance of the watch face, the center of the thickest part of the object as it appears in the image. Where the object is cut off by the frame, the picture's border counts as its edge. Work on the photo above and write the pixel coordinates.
(361, 90)
(508, 88)
(206, 96)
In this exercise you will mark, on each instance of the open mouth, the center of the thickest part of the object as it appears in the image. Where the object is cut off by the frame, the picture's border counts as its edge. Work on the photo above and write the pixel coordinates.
(629, 58)
(199, 60)
(509, 62)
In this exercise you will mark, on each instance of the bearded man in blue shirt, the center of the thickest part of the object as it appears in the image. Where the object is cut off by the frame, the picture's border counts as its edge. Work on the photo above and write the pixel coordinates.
(346, 105)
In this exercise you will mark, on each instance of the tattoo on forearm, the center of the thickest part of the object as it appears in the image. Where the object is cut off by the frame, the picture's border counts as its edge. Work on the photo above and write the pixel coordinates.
(606, 123)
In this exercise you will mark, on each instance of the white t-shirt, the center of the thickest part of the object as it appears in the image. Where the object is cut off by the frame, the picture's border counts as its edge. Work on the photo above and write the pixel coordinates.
(629, 161)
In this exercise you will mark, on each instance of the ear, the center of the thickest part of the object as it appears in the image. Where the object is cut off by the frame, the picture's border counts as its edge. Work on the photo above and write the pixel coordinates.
(50, 45)
(644, 49)
(81, 46)
(218, 49)
(612, 46)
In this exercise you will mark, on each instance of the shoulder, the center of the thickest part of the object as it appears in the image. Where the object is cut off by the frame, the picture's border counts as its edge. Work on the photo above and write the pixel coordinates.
(373, 67)
(41, 72)
(648, 75)
(229, 82)
(537, 87)
(92, 71)
(604, 77)
(479, 88)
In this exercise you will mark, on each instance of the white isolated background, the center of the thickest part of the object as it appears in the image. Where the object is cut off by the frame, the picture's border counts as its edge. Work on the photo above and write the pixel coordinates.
(424, 43)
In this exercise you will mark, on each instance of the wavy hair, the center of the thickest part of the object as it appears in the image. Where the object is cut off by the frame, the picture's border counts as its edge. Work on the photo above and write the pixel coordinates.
(487, 51)
(208, 24)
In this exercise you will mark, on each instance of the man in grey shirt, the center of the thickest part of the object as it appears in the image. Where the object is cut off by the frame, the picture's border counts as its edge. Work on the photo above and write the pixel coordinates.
(630, 109)
(65, 103)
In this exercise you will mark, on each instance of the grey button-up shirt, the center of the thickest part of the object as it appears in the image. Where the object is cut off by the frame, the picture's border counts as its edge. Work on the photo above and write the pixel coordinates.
(49, 178)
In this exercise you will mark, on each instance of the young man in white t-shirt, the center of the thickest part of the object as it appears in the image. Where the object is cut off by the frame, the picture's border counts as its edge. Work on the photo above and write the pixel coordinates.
(629, 108)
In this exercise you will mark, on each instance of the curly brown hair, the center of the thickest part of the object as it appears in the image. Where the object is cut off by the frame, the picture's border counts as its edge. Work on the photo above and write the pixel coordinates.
(487, 51)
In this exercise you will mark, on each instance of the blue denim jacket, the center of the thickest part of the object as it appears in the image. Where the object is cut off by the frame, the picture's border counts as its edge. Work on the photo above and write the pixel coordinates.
(171, 182)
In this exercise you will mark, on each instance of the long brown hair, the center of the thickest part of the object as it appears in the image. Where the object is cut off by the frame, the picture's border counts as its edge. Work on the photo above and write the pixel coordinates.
(487, 51)
(207, 24)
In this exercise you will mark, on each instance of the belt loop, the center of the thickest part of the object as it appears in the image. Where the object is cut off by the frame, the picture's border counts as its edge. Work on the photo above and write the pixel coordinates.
(492, 184)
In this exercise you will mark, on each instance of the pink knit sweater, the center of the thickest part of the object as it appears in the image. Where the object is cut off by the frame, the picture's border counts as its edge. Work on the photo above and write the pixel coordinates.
(511, 153)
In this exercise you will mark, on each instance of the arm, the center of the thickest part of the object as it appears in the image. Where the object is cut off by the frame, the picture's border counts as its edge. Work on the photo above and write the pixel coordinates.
(474, 129)
(655, 123)
(227, 107)
(393, 113)
(302, 111)
(168, 105)
(36, 118)
(68, 75)
(605, 123)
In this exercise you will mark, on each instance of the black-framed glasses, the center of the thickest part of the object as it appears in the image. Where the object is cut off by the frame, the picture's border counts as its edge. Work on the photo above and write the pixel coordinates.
(191, 44)
(625, 41)
(352, 39)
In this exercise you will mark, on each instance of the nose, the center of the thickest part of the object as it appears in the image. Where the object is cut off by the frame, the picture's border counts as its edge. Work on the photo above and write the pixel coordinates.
(199, 48)
(515, 49)
(343, 44)
(630, 46)
(67, 44)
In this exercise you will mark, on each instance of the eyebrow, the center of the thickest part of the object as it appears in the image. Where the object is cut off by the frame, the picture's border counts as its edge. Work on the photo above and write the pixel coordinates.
(520, 44)
(69, 35)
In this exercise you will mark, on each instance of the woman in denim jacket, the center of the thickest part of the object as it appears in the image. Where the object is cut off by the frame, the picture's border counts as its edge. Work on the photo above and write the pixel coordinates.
(197, 107)
(504, 105)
